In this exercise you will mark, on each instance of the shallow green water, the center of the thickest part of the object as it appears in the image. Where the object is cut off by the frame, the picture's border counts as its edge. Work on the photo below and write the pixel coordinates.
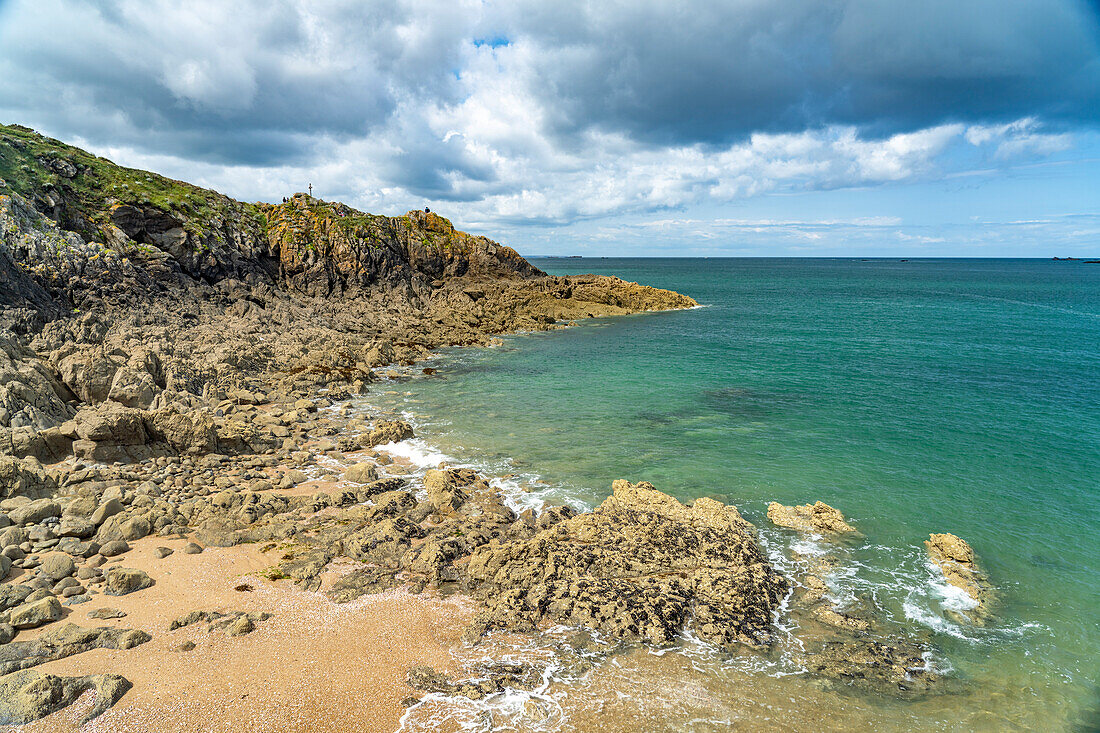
(925, 396)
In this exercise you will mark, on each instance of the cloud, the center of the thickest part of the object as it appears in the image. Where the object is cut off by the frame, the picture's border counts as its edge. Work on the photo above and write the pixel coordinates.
(532, 113)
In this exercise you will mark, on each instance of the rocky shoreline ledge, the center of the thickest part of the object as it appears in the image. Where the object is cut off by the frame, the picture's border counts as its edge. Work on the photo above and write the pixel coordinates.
(181, 472)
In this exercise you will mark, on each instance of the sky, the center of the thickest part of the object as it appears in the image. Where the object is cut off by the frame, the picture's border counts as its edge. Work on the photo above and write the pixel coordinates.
(622, 127)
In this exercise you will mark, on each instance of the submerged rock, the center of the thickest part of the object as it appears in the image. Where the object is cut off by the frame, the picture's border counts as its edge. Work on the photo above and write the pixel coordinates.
(641, 566)
(817, 517)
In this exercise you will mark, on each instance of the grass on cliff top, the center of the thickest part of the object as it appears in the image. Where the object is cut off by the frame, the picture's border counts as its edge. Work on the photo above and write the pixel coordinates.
(33, 166)
(30, 166)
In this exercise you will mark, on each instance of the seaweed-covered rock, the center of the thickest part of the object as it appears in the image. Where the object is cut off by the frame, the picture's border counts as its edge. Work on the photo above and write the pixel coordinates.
(641, 566)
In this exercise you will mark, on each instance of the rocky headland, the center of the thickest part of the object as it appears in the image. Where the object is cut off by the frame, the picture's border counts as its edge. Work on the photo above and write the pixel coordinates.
(181, 470)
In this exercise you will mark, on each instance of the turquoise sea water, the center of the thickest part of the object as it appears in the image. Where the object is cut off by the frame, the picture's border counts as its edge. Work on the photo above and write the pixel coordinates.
(923, 396)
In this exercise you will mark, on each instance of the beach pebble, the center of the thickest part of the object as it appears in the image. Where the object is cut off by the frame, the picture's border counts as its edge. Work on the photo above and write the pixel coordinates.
(192, 548)
(163, 552)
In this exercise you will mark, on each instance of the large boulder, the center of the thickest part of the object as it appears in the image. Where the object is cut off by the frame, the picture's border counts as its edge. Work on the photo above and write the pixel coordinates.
(34, 512)
(29, 695)
(89, 372)
(641, 566)
(112, 423)
(133, 388)
(36, 613)
(444, 488)
(187, 432)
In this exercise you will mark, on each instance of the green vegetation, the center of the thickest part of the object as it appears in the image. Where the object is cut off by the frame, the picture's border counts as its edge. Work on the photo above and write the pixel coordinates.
(85, 186)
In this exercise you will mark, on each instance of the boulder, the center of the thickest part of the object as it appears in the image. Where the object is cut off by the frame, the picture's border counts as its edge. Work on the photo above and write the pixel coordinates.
(106, 509)
(36, 613)
(956, 560)
(30, 695)
(387, 431)
(122, 581)
(113, 548)
(132, 388)
(57, 565)
(113, 424)
(444, 490)
(361, 473)
(24, 477)
(34, 512)
(88, 372)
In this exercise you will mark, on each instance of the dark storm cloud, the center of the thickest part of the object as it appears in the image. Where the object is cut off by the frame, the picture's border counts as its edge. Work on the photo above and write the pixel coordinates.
(714, 72)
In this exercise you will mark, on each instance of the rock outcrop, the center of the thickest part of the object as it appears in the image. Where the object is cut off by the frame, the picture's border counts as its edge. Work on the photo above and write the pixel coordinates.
(956, 560)
(640, 566)
(817, 517)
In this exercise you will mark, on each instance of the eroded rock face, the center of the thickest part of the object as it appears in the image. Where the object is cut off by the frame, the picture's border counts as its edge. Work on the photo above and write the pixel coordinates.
(955, 558)
(816, 517)
(642, 566)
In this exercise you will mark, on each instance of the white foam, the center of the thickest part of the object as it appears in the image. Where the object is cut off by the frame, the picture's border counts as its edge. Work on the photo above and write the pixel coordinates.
(416, 451)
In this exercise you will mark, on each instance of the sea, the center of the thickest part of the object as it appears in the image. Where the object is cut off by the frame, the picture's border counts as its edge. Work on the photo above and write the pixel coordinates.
(915, 395)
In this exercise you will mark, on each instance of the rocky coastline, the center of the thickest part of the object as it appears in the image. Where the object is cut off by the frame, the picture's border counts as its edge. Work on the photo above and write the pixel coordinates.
(181, 472)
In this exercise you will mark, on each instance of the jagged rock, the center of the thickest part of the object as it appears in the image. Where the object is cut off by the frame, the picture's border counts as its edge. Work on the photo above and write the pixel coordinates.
(24, 477)
(122, 581)
(13, 595)
(30, 695)
(640, 566)
(387, 431)
(487, 679)
(956, 559)
(234, 623)
(132, 388)
(65, 641)
(817, 517)
(444, 488)
(896, 666)
(88, 372)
